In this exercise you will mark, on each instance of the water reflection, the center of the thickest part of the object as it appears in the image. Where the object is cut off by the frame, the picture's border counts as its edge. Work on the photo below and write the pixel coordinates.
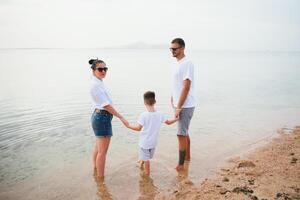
(183, 174)
(102, 191)
(182, 180)
(147, 189)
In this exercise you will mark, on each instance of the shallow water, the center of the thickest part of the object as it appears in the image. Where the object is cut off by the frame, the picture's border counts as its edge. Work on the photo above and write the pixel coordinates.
(45, 134)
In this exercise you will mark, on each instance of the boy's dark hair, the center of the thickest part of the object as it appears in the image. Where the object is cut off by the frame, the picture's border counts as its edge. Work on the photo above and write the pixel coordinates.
(149, 98)
(179, 41)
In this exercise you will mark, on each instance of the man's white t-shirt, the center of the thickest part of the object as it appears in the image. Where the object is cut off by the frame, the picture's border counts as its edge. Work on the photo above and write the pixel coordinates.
(151, 122)
(183, 70)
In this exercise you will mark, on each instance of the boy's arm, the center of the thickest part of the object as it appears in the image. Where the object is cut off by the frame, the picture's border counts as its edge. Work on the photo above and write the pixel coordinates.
(137, 127)
(171, 121)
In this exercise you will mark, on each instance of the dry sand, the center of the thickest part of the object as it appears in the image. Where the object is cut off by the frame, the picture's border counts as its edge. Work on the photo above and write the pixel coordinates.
(269, 172)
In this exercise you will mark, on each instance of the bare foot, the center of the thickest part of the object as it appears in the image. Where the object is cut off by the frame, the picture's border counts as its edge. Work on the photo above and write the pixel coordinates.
(179, 168)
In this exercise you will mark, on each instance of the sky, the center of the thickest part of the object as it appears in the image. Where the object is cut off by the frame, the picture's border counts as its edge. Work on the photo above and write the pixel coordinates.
(204, 25)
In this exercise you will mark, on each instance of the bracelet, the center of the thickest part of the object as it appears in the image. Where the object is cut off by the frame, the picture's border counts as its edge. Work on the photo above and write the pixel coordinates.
(178, 108)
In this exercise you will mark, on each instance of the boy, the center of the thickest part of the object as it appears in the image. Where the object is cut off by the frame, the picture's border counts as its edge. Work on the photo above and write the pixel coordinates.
(149, 124)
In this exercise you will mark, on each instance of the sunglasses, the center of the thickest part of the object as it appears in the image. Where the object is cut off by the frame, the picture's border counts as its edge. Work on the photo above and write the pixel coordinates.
(101, 69)
(174, 49)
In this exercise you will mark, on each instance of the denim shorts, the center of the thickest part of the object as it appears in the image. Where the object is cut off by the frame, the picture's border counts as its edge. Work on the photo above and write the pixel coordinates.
(185, 117)
(101, 123)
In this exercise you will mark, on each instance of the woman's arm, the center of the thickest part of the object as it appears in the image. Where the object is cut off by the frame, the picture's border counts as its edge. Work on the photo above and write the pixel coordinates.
(113, 111)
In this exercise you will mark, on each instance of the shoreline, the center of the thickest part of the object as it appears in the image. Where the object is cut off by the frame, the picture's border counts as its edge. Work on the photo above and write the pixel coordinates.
(270, 171)
(266, 169)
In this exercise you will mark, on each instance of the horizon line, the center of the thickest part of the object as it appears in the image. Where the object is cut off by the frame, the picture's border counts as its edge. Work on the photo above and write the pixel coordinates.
(145, 48)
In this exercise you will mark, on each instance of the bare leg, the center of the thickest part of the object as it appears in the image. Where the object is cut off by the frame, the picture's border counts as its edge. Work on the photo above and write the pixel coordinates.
(182, 143)
(102, 147)
(188, 150)
(147, 167)
(95, 152)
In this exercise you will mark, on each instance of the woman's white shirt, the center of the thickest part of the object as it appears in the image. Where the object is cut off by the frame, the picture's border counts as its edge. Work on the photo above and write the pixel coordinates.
(100, 94)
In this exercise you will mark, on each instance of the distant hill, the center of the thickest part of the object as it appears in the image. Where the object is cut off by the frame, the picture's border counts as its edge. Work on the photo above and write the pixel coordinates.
(141, 45)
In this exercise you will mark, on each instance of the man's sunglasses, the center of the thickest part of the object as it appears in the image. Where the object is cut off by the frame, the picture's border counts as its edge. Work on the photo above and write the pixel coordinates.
(101, 69)
(174, 49)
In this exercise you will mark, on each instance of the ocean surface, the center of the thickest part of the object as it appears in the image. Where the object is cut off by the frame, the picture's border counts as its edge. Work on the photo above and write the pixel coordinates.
(46, 138)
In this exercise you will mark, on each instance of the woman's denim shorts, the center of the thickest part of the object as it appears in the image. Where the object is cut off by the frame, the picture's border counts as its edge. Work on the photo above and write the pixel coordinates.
(101, 123)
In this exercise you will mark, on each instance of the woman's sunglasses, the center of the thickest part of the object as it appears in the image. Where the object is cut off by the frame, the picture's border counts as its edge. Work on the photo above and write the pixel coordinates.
(101, 69)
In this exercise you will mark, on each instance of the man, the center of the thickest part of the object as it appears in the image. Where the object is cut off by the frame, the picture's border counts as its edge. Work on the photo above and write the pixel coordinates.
(182, 98)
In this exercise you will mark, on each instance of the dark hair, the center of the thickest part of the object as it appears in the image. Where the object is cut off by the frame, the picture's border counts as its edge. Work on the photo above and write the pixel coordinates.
(93, 63)
(178, 41)
(149, 98)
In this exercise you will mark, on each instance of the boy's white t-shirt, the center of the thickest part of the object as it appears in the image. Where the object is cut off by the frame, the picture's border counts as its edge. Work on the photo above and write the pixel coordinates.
(151, 122)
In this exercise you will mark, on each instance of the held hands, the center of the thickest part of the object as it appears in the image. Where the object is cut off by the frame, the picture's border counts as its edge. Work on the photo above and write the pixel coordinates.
(126, 123)
(176, 118)
(171, 121)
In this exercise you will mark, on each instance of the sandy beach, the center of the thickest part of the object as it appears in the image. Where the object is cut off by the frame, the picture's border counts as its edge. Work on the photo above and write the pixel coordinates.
(268, 172)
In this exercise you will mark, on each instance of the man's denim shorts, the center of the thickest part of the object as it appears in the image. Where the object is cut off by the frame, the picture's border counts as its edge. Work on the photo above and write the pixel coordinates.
(185, 117)
(101, 123)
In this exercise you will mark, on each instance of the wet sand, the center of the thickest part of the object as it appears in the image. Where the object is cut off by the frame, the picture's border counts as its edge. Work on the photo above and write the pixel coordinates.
(269, 172)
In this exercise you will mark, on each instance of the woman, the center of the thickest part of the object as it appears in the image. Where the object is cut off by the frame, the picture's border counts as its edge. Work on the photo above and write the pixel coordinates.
(102, 116)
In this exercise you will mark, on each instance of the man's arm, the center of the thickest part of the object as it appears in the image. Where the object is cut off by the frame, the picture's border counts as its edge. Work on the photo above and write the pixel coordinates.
(184, 92)
(172, 102)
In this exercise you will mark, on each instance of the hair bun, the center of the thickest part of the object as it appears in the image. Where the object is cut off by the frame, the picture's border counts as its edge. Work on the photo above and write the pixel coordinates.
(91, 61)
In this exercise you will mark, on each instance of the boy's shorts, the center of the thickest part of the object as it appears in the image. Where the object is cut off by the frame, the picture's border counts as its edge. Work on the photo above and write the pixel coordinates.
(146, 154)
(185, 117)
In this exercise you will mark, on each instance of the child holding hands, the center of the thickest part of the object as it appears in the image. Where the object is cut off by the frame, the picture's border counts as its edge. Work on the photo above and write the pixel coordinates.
(149, 124)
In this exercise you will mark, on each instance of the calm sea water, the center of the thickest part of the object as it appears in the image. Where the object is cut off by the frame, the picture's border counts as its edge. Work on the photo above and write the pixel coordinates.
(45, 134)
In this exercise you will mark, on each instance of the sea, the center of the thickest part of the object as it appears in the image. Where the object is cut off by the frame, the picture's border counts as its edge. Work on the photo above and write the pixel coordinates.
(46, 139)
